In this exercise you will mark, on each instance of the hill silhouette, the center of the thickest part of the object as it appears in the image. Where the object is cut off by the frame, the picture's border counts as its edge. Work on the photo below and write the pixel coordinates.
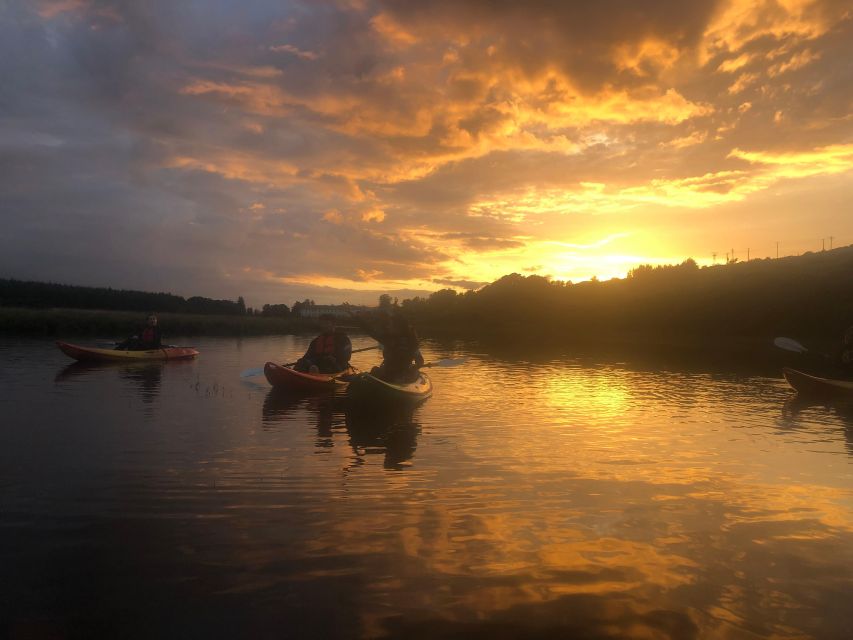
(808, 295)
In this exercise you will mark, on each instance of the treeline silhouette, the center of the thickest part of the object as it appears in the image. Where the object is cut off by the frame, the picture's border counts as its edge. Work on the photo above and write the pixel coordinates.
(18, 293)
(800, 296)
(808, 295)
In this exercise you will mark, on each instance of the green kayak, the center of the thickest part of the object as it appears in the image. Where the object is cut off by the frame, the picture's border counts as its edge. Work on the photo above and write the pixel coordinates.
(811, 385)
(367, 388)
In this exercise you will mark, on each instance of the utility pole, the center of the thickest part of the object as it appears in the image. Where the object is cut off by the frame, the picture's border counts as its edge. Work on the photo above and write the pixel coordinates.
(747, 254)
(830, 242)
(715, 257)
(733, 255)
(823, 244)
(777, 249)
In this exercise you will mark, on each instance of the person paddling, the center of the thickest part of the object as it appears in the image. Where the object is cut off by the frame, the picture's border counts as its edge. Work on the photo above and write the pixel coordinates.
(401, 354)
(329, 352)
(147, 340)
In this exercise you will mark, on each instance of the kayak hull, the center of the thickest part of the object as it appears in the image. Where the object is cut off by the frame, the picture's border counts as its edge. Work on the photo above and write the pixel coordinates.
(288, 379)
(807, 384)
(92, 354)
(367, 388)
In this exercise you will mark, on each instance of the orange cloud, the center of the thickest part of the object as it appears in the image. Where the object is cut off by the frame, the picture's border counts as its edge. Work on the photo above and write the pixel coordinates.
(797, 61)
(741, 21)
(236, 166)
(259, 98)
(828, 160)
(392, 31)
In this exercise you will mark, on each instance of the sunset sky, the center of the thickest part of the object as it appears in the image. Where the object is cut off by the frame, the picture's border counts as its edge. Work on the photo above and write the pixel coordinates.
(337, 150)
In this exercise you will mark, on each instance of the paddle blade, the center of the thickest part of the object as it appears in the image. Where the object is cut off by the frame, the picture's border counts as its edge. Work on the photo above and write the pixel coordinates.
(789, 344)
(251, 373)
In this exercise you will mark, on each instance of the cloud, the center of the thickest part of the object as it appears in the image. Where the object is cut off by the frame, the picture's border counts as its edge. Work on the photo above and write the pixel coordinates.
(289, 48)
(460, 284)
(482, 243)
(388, 144)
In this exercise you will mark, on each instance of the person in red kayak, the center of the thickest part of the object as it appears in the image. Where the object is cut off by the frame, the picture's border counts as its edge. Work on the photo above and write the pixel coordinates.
(401, 353)
(329, 352)
(147, 340)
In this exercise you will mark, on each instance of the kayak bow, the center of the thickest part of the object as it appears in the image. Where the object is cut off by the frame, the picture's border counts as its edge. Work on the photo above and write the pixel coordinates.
(807, 384)
(365, 387)
(290, 379)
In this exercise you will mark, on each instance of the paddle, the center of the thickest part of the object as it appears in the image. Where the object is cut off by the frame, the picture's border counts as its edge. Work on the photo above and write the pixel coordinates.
(788, 344)
(258, 371)
(444, 362)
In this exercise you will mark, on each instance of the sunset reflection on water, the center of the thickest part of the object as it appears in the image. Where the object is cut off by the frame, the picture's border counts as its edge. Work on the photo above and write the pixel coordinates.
(566, 497)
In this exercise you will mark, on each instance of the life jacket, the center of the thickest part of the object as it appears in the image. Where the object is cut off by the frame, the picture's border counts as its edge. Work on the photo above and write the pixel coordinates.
(324, 344)
(148, 335)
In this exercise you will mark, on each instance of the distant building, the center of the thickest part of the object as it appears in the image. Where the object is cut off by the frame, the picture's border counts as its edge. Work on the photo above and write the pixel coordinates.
(337, 310)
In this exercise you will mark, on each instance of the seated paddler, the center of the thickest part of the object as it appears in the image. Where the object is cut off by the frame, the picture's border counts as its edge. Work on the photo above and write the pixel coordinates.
(148, 338)
(329, 352)
(401, 354)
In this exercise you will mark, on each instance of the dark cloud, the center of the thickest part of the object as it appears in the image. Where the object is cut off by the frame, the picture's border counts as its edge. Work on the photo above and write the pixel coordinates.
(481, 243)
(461, 284)
(579, 37)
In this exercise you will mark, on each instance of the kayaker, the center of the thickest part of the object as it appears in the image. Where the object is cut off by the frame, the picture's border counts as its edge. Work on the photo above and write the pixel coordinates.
(329, 352)
(147, 340)
(846, 356)
(401, 354)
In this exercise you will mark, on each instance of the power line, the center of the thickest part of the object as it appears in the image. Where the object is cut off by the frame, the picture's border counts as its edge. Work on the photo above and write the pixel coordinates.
(794, 248)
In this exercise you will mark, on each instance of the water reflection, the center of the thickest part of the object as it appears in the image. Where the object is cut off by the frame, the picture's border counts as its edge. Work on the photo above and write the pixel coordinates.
(391, 432)
(145, 377)
(388, 431)
(802, 413)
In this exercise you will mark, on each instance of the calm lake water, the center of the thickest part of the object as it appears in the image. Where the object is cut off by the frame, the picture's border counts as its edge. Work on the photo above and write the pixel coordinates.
(565, 497)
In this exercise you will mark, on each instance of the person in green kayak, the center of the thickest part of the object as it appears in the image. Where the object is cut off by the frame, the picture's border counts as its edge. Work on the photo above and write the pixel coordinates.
(401, 353)
(148, 339)
(329, 352)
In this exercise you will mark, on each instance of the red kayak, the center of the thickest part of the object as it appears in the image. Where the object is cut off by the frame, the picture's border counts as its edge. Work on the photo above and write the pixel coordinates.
(92, 354)
(288, 378)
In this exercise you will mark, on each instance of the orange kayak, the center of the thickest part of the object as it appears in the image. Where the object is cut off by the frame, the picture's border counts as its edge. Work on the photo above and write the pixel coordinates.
(288, 378)
(92, 354)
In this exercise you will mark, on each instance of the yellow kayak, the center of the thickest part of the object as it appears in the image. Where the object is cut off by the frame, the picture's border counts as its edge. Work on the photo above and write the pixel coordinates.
(90, 354)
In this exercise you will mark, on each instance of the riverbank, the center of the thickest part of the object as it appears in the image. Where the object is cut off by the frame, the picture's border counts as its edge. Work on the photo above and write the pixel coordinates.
(515, 339)
(85, 322)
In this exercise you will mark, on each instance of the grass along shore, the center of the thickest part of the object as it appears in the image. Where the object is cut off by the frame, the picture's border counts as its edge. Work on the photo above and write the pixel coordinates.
(57, 323)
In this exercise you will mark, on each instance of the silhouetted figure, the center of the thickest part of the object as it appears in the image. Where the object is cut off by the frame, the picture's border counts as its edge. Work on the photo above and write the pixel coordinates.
(329, 352)
(401, 354)
(846, 356)
(149, 338)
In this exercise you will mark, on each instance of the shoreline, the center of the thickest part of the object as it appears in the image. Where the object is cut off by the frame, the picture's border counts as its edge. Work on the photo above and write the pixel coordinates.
(59, 322)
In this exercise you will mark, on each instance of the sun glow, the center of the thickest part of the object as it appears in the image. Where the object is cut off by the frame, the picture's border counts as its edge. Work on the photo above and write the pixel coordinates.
(354, 146)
